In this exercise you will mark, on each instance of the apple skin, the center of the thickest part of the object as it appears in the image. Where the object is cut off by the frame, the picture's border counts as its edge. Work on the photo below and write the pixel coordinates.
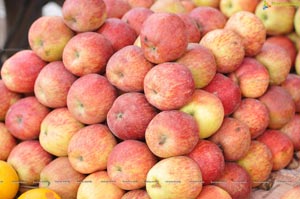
(277, 61)
(60, 177)
(136, 194)
(252, 77)
(297, 22)
(208, 111)
(127, 68)
(89, 148)
(233, 137)
(167, 46)
(168, 179)
(213, 191)
(210, 159)
(169, 85)
(87, 53)
(92, 107)
(281, 110)
(188, 5)
(254, 114)
(130, 115)
(231, 7)
(257, 162)
(23, 118)
(8, 98)
(116, 8)
(201, 62)
(297, 63)
(168, 6)
(292, 85)
(208, 3)
(47, 37)
(232, 54)
(128, 164)
(227, 90)
(236, 181)
(84, 16)
(57, 129)
(136, 16)
(15, 71)
(208, 18)
(278, 20)
(170, 129)
(292, 193)
(291, 129)
(52, 85)
(250, 28)
(194, 34)
(28, 158)
(281, 146)
(118, 32)
(7, 140)
(140, 3)
(101, 185)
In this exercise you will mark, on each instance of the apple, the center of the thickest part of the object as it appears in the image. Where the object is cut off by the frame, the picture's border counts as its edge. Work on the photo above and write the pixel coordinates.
(278, 20)
(174, 177)
(167, 46)
(257, 162)
(277, 61)
(128, 164)
(210, 159)
(130, 115)
(169, 85)
(188, 5)
(292, 193)
(281, 146)
(140, 3)
(136, 194)
(52, 85)
(281, 110)
(250, 28)
(297, 22)
(208, 18)
(136, 16)
(227, 47)
(230, 7)
(89, 148)
(93, 106)
(127, 68)
(194, 34)
(7, 140)
(297, 63)
(87, 53)
(20, 71)
(8, 98)
(201, 63)
(170, 129)
(57, 129)
(23, 118)
(236, 181)
(292, 85)
(252, 77)
(169, 6)
(227, 90)
(116, 8)
(118, 32)
(208, 3)
(47, 37)
(233, 137)
(295, 38)
(213, 191)
(28, 158)
(208, 111)
(254, 114)
(291, 129)
(100, 185)
(84, 16)
(60, 177)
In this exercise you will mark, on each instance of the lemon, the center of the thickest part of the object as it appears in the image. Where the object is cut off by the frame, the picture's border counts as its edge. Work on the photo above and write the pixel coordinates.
(9, 181)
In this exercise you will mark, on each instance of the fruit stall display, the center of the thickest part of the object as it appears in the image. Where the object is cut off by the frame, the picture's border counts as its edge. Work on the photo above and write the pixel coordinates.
(160, 99)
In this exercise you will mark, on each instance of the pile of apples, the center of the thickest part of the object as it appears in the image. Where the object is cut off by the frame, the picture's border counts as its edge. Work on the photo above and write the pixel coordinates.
(165, 99)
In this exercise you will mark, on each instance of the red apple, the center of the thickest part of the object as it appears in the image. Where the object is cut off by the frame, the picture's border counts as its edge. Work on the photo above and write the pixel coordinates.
(168, 6)
(7, 140)
(188, 5)
(213, 191)
(116, 8)
(230, 7)
(136, 194)
(93, 106)
(281, 147)
(89, 148)
(291, 129)
(158, 40)
(194, 34)
(23, 118)
(210, 159)
(140, 3)
(170, 129)
(20, 71)
(292, 85)
(87, 53)
(130, 115)
(169, 85)
(292, 193)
